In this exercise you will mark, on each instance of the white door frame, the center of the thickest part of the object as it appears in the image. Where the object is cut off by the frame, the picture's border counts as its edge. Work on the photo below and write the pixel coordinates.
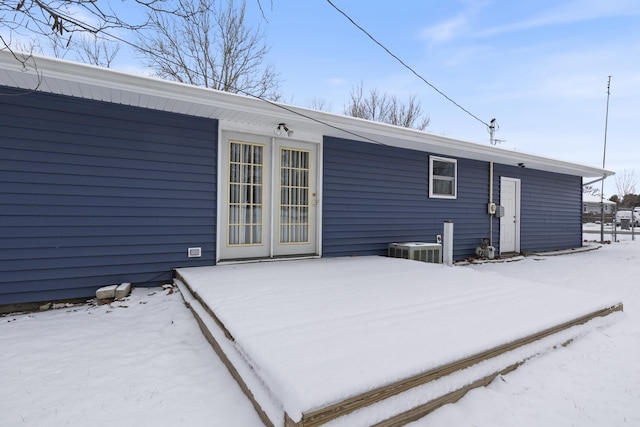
(511, 216)
(313, 142)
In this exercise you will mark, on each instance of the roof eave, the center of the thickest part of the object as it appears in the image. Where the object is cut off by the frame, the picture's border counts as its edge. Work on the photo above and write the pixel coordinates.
(91, 82)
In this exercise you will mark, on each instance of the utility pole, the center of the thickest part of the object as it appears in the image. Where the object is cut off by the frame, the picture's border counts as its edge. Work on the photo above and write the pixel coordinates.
(604, 157)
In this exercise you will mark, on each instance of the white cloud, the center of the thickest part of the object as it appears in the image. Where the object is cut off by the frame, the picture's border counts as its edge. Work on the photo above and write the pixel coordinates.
(337, 81)
(446, 30)
(570, 12)
(452, 28)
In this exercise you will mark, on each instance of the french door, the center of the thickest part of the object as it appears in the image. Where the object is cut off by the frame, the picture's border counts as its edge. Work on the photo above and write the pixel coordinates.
(269, 197)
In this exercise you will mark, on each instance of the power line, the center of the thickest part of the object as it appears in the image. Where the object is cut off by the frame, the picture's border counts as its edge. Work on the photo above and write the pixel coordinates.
(406, 65)
(97, 31)
(243, 92)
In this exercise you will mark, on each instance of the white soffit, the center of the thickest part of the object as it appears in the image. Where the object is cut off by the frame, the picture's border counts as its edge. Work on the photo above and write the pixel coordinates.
(102, 84)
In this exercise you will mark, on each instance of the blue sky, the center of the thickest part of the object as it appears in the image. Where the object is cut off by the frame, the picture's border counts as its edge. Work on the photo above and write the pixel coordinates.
(539, 67)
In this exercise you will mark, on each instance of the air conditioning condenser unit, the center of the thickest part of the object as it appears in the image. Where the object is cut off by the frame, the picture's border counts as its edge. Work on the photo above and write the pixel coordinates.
(418, 251)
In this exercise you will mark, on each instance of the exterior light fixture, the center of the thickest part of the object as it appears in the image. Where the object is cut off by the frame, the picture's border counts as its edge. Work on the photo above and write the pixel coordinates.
(282, 128)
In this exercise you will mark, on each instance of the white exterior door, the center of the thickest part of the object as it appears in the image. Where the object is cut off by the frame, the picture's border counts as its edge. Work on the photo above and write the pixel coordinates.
(510, 222)
(268, 197)
(294, 221)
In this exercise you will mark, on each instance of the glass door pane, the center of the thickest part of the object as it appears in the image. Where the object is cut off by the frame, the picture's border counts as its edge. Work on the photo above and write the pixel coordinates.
(245, 219)
(294, 196)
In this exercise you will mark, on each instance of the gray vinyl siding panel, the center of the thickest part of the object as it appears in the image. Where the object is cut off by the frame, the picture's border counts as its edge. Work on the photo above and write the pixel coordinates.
(551, 208)
(95, 193)
(374, 195)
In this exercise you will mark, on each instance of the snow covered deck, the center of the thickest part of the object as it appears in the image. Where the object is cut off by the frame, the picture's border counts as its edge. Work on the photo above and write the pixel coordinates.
(373, 340)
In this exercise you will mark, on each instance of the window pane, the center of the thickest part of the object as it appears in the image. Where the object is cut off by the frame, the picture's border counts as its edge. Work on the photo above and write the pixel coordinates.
(234, 193)
(444, 187)
(245, 238)
(257, 175)
(234, 173)
(443, 168)
(257, 234)
(246, 153)
(233, 214)
(244, 216)
(257, 155)
(234, 232)
(235, 152)
(257, 215)
(244, 196)
(257, 194)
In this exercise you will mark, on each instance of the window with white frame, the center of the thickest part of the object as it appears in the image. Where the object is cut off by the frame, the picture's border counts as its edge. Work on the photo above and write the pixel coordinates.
(443, 177)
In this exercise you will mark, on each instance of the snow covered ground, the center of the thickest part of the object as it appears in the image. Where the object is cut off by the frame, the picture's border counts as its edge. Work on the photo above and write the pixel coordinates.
(593, 382)
(140, 362)
(143, 362)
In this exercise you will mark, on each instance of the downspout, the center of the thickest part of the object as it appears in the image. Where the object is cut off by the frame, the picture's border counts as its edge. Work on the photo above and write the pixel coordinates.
(594, 181)
(602, 195)
(491, 203)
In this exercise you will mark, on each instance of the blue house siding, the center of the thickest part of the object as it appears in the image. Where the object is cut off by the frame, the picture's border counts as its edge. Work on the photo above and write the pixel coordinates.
(94, 193)
(551, 208)
(374, 195)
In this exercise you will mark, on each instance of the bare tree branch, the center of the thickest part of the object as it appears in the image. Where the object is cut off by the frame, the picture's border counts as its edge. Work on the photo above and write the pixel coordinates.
(626, 183)
(49, 17)
(210, 45)
(262, 10)
(320, 104)
(26, 60)
(591, 190)
(381, 107)
(96, 51)
(58, 20)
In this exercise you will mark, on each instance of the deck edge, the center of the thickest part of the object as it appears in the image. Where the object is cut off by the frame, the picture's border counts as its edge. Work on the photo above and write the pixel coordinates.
(331, 412)
(185, 291)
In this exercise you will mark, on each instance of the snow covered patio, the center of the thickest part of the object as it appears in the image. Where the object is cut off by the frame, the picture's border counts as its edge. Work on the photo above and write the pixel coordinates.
(373, 340)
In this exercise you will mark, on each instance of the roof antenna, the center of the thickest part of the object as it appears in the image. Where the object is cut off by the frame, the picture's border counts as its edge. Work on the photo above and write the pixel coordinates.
(493, 128)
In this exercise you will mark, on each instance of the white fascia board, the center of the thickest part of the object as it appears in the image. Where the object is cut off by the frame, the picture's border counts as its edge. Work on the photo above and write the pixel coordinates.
(52, 71)
(422, 141)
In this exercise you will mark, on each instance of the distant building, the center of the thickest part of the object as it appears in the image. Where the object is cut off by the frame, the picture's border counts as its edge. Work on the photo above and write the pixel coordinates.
(591, 204)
